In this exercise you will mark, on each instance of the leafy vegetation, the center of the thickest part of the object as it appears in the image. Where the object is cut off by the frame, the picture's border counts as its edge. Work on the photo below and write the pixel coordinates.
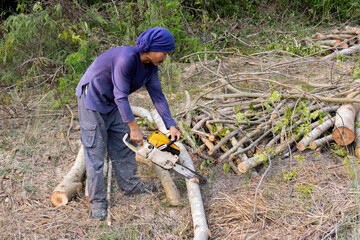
(48, 45)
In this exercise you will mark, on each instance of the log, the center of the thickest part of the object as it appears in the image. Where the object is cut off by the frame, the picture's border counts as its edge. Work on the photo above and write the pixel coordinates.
(351, 30)
(341, 37)
(248, 164)
(143, 113)
(344, 131)
(71, 185)
(200, 123)
(314, 134)
(346, 30)
(201, 230)
(347, 51)
(329, 42)
(357, 135)
(242, 141)
(207, 142)
(321, 142)
(224, 140)
(171, 191)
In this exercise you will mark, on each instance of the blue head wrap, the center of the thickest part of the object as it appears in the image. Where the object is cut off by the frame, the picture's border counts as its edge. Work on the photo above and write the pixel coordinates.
(157, 39)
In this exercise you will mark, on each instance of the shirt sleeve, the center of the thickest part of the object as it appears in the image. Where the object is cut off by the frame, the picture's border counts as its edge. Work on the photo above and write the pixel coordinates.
(157, 96)
(122, 70)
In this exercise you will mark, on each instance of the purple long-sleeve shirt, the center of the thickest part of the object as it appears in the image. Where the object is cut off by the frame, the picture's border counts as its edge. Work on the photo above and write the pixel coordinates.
(114, 75)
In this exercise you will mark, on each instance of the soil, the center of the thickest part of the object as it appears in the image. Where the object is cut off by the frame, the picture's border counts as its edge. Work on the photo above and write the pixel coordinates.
(309, 195)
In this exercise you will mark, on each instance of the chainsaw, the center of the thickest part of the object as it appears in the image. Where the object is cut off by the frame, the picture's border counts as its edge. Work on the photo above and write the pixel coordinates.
(161, 151)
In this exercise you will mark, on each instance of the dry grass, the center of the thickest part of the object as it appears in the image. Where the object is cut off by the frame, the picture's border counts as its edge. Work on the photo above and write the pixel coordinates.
(320, 202)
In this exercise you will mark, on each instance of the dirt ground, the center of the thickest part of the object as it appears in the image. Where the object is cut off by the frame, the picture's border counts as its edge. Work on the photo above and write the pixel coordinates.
(318, 201)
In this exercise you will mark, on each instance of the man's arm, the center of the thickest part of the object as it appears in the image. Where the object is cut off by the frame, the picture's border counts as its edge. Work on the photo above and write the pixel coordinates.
(162, 106)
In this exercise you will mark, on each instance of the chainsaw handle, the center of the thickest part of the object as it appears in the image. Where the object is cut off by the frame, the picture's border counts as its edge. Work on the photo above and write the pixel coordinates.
(171, 142)
(167, 144)
(129, 145)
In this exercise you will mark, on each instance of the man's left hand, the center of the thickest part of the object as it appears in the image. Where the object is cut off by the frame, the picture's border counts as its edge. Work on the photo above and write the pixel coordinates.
(175, 133)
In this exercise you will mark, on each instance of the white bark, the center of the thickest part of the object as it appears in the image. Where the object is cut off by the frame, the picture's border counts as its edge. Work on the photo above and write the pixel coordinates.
(201, 231)
(72, 182)
(347, 51)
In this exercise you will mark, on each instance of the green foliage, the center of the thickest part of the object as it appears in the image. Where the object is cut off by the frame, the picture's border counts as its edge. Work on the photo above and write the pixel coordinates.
(226, 167)
(306, 191)
(329, 9)
(53, 44)
(341, 151)
(287, 176)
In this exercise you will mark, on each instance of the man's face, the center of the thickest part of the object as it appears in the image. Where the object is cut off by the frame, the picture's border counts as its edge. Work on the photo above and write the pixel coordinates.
(157, 57)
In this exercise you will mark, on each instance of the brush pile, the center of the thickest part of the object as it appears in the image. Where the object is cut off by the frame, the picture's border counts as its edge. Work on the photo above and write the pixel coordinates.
(338, 38)
(246, 118)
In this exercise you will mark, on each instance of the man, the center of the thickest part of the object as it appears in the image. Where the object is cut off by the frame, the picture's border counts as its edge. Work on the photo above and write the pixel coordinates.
(105, 114)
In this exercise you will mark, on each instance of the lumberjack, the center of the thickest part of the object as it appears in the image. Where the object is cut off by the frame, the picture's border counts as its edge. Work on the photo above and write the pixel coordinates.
(105, 114)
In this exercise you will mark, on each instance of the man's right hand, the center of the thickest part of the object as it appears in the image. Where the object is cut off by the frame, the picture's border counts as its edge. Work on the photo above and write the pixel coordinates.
(136, 134)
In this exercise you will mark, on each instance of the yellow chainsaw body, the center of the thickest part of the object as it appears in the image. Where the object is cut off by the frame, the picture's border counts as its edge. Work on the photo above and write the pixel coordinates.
(157, 139)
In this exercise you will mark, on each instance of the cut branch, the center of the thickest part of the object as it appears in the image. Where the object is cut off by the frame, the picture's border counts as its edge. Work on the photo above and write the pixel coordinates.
(314, 134)
(344, 131)
(71, 185)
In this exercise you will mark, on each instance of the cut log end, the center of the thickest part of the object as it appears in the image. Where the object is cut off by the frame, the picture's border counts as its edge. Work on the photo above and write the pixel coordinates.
(300, 146)
(343, 136)
(242, 168)
(313, 145)
(212, 137)
(58, 198)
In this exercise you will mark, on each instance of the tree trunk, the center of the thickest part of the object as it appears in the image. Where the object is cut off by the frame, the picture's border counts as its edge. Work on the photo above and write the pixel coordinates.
(71, 185)
(344, 130)
(357, 139)
(314, 134)
(321, 142)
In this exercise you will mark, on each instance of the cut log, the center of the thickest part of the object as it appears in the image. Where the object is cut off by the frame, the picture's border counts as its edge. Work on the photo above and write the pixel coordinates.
(208, 143)
(321, 142)
(351, 30)
(341, 37)
(329, 42)
(201, 230)
(344, 45)
(314, 134)
(200, 123)
(344, 131)
(224, 140)
(71, 185)
(250, 163)
(347, 51)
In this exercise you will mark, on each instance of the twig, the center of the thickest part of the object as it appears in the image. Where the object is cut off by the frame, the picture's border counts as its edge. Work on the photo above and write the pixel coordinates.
(108, 197)
(258, 186)
(116, 10)
(71, 121)
(206, 52)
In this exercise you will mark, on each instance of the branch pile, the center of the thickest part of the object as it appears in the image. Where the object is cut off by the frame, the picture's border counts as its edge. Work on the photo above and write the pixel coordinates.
(335, 39)
(244, 128)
